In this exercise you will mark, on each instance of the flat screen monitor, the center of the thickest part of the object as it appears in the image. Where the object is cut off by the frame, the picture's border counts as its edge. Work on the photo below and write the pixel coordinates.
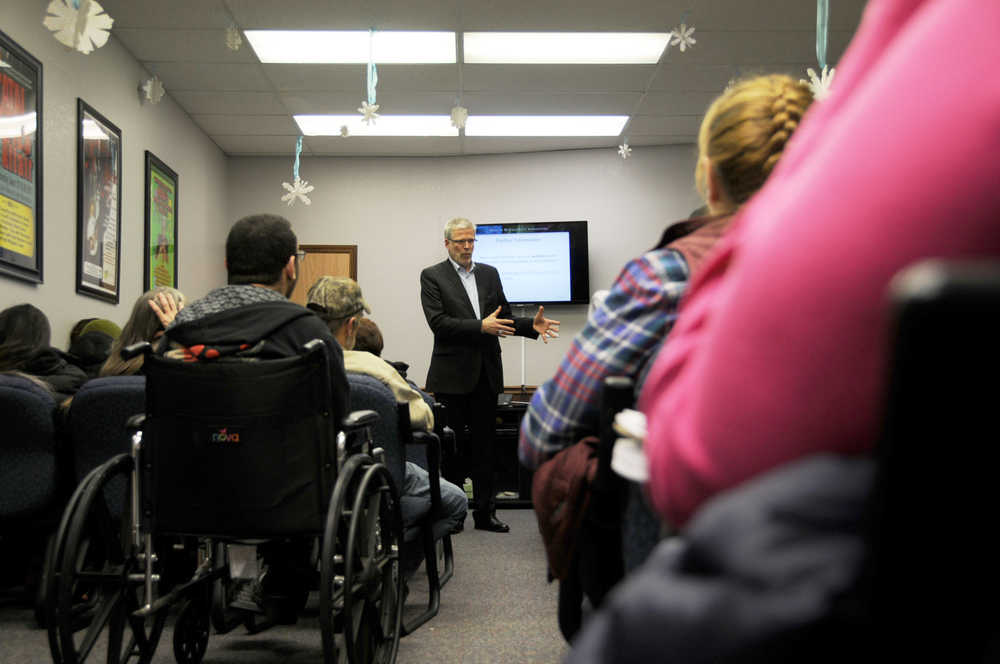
(539, 262)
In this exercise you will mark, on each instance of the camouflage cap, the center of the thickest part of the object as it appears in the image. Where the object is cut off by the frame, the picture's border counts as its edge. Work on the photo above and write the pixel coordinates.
(340, 297)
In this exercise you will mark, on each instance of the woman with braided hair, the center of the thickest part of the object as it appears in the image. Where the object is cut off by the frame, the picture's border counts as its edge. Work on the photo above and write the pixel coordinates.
(741, 139)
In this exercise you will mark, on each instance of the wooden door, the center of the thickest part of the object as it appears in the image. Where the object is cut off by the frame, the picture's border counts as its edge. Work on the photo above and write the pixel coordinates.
(336, 260)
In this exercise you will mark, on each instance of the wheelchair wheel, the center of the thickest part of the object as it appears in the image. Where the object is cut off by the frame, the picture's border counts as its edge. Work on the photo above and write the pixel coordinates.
(89, 594)
(331, 593)
(372, 582)
(191, 631)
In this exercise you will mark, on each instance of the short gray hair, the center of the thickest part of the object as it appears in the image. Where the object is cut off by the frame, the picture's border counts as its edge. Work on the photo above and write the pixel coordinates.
(457, 224)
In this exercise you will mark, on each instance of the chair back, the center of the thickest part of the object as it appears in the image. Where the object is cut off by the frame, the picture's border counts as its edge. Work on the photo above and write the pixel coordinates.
(29, 466)
(238, 448)
(97, 418)
(931, 521)
(368, 393)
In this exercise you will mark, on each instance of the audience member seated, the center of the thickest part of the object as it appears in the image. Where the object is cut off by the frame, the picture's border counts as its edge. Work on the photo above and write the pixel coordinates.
(152, 313)
(91, 346)
(24, 346)
(253, 318)
(781, 345)
(741, 139)
(338, 301)
(777, 362)
(370, 339)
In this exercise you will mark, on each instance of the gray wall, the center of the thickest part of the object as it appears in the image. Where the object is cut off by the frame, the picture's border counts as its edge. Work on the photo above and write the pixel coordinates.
(394, 210)
(108, 80)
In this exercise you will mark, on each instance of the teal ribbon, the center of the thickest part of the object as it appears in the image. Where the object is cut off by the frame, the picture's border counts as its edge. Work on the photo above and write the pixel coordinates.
(372, 69)
(298, 151)
(822, 23)
(75, 3)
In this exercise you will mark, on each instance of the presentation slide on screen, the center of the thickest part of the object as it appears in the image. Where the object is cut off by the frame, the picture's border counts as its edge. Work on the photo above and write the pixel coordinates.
(534, 267)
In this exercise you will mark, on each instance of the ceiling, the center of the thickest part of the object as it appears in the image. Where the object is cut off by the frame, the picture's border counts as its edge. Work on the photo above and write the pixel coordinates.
(246, 107)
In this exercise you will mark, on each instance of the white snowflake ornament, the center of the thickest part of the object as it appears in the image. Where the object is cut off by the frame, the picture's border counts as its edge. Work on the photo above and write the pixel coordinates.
(624, 150)
(682, 37)
(344, 131)
(369, 112)
(459, 114)
(152, 90)
(84, 29)
(233, 38)
(820, 83)
(298, 190)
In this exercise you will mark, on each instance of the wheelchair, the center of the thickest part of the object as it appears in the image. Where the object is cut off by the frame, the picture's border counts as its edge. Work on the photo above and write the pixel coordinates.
(228, 452)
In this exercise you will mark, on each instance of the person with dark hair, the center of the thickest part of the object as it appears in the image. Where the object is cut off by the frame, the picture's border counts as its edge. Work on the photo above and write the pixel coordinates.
(24, 346)
(252, 318)
(91, 344)
(152, 312)
(369, 337)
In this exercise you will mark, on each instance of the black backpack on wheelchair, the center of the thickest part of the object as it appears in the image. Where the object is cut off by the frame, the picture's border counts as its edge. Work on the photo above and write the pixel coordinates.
(228, 451)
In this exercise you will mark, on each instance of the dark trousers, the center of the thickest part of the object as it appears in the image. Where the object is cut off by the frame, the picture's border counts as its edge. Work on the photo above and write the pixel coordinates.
(473, 417)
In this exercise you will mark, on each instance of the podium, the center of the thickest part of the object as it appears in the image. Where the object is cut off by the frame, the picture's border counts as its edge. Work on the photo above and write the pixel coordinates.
(513, 481)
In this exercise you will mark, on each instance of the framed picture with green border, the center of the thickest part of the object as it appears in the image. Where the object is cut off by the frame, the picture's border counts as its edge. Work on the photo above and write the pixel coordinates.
(160, 248)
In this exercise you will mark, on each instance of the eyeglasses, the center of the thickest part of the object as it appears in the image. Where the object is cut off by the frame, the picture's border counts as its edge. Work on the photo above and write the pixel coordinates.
(300, 256)
(469, 242)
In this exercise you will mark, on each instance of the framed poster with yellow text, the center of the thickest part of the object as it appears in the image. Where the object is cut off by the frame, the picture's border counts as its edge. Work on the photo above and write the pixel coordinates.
(99, 206)
(20, 162)
(160, 249)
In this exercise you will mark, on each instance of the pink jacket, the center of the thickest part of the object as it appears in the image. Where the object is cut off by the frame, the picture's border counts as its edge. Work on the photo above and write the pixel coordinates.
(779, 350)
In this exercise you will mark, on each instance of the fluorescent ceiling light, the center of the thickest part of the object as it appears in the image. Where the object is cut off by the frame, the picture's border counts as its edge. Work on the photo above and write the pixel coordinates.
(565, 47)
(354, 46)
(385, 125)
(545, 125)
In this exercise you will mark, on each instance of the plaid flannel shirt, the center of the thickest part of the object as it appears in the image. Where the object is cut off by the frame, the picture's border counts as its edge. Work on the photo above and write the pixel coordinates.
(621, 335)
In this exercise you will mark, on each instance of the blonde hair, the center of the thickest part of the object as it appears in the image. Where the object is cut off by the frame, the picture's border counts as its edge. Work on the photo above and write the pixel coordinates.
(745, 131)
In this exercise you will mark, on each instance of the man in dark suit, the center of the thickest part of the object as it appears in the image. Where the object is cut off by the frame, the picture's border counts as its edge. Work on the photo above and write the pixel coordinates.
(467, 311)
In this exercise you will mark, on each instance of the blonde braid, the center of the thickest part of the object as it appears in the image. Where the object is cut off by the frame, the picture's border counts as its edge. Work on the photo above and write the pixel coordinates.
(745, 131)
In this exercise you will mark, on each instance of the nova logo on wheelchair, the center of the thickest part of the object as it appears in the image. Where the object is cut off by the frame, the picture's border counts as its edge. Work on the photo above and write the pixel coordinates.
(224, 435)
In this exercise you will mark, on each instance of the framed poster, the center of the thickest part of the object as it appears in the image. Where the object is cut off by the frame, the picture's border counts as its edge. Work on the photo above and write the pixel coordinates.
(160, 248)
(99, 207)
(20, 162)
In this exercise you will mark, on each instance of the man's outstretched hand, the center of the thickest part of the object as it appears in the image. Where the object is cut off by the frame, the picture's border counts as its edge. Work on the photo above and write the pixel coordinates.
(501, 327)
(546, 327)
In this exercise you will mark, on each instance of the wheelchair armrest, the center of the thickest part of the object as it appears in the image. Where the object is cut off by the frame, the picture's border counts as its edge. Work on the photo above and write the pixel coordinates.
(135, 423)
(141, 348)
(360, 419)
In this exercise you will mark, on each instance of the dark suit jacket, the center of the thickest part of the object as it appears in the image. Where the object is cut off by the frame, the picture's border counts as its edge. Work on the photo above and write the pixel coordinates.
(461, 350)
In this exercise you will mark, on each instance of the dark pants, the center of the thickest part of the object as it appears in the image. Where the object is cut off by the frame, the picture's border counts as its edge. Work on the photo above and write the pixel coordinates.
(473, 417)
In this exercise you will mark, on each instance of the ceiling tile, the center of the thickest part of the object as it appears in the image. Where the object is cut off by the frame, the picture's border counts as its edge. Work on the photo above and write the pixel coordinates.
(550, 103)
(173, 14)
(354, 77)
(676, 103)
(663, 124)
(231, 103)
(167, 45)
(391, 102)
(247, 124)
(255, 145)
(369, 146)
(210, 76)
(489, 145)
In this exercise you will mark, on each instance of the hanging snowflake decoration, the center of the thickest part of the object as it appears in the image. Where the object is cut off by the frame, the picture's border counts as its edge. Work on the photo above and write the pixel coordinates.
(459, 114)
(625, 150)
(820, 83)
(84, 29)
(368, 111)
(233, 38)
(152, 90)
(344, 131)
(682, 37)
(297, 190)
